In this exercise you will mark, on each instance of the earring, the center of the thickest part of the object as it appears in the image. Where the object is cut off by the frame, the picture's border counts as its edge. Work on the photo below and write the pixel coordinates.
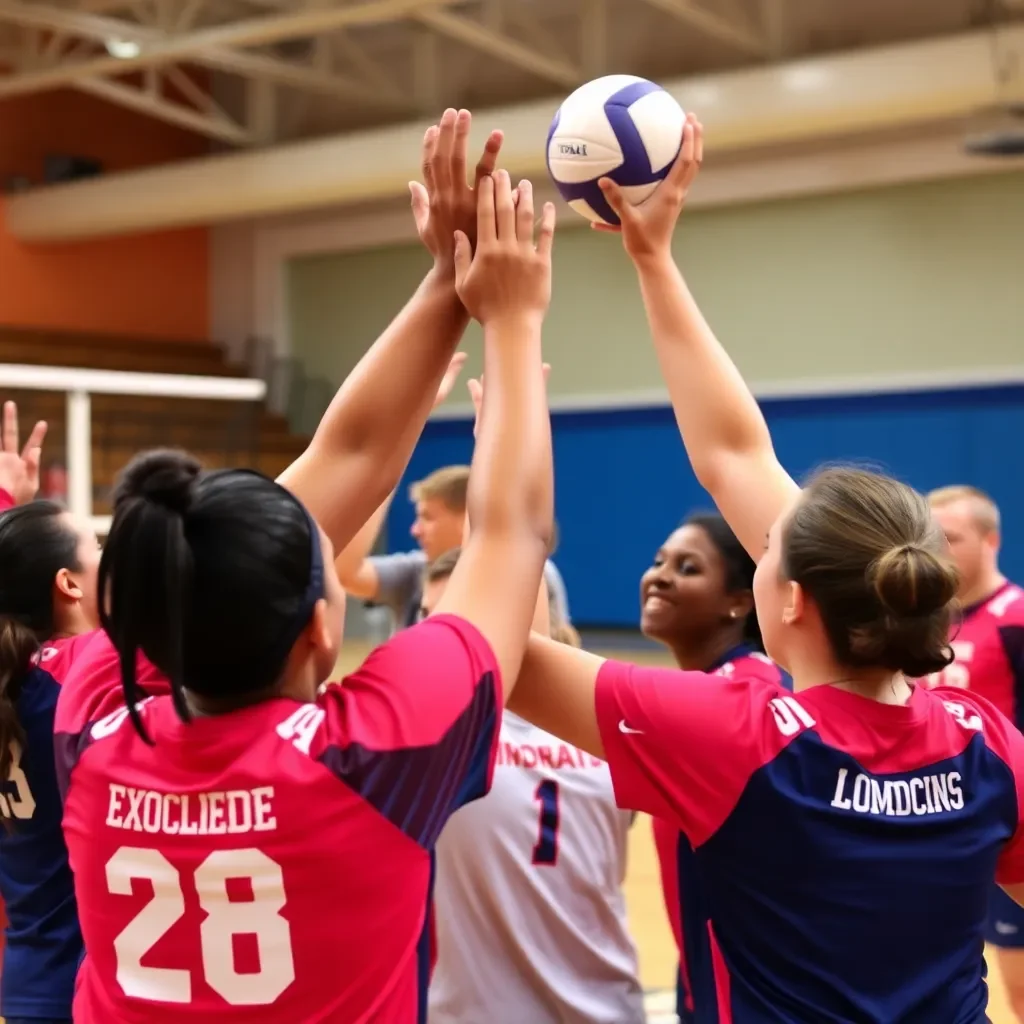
(734, 614)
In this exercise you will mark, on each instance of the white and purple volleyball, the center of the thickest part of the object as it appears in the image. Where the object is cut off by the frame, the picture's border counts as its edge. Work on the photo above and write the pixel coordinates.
(620, 127)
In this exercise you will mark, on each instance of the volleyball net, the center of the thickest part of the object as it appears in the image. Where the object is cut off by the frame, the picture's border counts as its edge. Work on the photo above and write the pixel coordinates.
(99, 419)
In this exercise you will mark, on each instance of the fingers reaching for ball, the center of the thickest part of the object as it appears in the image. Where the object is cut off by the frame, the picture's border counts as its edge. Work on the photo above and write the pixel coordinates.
(647, 228)
(509, 274)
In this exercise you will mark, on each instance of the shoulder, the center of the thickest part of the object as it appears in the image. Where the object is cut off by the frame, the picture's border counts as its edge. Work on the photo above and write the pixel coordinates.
(401, 560)
(1007, 607)
(754, 666)
(972, 713)
(91, 681)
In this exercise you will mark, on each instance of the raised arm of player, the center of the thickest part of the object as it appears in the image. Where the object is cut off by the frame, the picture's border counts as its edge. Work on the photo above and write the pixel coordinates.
(356, 570)
(725, 434)
(369, 431)
(506, 285)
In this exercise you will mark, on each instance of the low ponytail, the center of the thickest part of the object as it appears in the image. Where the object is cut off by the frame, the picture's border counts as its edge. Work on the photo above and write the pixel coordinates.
(18, 646)
(146, 572)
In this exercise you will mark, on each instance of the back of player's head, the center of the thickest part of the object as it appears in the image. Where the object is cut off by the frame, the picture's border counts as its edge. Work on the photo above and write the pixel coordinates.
(449, 485)
(866, 549)
(739, 566)
(213, 575)
(36, 544)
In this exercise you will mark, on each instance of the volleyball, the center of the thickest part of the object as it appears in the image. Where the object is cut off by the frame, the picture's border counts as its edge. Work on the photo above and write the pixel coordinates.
(621, 127)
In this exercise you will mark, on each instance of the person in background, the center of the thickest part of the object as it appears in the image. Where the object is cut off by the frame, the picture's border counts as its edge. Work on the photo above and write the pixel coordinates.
(529, 908)
(988, 642)
(396, 580)
(697, 600)
(49, 564)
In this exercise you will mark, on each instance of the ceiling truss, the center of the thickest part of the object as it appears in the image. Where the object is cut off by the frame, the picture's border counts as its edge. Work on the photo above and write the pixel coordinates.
(65, 43)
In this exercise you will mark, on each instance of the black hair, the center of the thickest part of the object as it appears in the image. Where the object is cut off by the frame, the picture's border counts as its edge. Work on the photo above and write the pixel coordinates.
(212, 575)
(35, 544)
(739, 566)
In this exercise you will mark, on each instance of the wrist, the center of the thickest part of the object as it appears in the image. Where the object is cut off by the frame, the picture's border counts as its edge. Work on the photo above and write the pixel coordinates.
(520, 321)
(654, 261)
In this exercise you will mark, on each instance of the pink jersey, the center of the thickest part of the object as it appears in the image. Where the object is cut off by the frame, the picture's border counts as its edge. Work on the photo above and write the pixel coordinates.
(273, 864)
(989, 648)
(826, 828)
(680, 886)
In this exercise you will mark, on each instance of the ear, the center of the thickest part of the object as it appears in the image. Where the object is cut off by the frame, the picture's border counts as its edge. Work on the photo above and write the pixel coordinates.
(741, 604)
(67, 587)
(318, 631)
(794, 608)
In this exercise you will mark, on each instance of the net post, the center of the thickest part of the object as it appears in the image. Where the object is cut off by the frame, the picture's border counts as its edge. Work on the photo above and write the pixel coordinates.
(78, 406)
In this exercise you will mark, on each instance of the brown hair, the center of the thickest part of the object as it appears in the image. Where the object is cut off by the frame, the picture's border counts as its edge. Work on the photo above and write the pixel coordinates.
(447, 484)
(984, 511)
(867, 551)
(442, 567)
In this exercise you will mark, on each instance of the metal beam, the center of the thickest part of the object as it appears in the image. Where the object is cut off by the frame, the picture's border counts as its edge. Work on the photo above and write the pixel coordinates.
(512, 52)
(158, 107)
(154, 53)
(192, 45)
(712, 24)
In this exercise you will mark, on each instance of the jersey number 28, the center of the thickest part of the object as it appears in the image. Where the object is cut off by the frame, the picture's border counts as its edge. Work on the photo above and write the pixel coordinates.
(224, 919)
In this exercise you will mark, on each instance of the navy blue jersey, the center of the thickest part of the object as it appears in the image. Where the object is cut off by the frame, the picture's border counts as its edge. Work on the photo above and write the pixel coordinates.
(846, 848)
(43, 940)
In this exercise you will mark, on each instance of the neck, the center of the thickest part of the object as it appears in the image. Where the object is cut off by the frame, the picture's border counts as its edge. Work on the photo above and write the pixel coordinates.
(882, 685)
(987, 585)
(701, 655)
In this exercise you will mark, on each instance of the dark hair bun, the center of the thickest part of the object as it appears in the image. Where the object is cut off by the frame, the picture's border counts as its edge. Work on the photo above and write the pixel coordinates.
(162, 477)
(911, 580)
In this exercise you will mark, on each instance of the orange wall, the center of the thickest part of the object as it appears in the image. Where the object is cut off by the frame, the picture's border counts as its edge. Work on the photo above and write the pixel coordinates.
(154, 285)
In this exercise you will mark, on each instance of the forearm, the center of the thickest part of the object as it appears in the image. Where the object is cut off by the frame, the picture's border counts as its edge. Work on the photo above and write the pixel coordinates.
(510, 487)
(716, 413)
(348, 562)
(385, 400)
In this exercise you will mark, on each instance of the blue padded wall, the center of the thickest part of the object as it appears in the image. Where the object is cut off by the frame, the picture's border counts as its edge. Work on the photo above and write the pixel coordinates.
(623, 480)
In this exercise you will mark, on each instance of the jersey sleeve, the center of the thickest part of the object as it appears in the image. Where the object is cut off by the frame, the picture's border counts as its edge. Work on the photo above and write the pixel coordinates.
(415, 730)
(682, 745)
(398, 577)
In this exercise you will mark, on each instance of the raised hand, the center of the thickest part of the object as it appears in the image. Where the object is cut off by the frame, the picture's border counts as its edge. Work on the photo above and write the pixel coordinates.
(508, 275)
(451, 375)
(19, 471)
(445, 203)
(647, 229)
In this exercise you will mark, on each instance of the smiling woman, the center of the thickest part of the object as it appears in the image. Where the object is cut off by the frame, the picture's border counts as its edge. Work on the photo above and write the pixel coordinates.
(696, 600)
(696, 597)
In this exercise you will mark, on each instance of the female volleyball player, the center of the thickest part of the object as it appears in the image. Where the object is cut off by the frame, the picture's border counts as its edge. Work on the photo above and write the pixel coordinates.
(697, 600)
(241, 848)
(846, 834)
(530, 911)
(48, 565)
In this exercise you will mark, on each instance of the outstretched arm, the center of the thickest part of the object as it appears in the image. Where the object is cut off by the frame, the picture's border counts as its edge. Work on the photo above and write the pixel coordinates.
(510, 503)
(356, 570)
(367, 435)
(725, 434)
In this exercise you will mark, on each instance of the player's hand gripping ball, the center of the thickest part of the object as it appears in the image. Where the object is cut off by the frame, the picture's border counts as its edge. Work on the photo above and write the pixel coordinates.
(620, 127)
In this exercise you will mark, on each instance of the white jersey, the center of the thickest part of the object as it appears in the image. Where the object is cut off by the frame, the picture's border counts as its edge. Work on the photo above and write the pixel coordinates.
(530, 914)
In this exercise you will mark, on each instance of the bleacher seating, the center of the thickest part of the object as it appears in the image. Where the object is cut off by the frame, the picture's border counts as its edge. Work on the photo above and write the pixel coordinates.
(220, 433)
